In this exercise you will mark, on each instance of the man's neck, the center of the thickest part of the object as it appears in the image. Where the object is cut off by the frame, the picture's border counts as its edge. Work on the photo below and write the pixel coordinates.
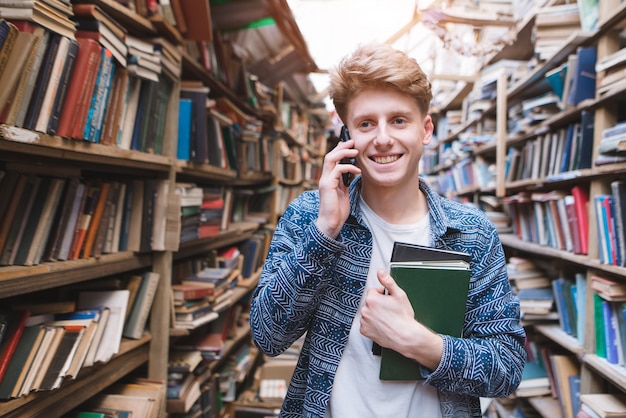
(397, 206)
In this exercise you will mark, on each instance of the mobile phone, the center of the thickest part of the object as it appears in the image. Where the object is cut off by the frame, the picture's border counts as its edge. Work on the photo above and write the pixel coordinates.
(343, 137)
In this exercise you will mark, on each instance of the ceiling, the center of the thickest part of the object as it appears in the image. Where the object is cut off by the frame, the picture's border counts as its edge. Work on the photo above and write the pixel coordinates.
(267, 37)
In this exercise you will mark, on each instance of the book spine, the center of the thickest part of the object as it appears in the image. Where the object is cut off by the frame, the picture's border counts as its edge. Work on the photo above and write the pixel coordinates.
(98, 100)
(64, 82)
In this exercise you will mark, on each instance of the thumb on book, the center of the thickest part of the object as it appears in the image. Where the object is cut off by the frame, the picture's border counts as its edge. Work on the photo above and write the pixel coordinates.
(389, 283)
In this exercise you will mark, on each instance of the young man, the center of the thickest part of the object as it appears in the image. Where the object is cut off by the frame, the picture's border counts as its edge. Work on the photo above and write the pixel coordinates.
(325, 273)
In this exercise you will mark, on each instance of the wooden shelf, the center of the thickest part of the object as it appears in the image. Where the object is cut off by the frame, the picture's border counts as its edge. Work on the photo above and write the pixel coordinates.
(16, 280)
(90, 381)
(25, 142)
(546, 406)
(614, 373)
(556, 334)
(237, 232)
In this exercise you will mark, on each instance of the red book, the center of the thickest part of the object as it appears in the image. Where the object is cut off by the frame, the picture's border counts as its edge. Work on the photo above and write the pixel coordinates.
(80, 90)
(581, 203)
(572, 221)
(190, 291)
(15, 323)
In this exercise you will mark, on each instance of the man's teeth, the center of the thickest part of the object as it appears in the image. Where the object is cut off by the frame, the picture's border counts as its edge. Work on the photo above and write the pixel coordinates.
(386, 160)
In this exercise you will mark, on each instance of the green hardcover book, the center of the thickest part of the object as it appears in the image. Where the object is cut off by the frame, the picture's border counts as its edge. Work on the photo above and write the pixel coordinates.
(599, 326)
(438, 293)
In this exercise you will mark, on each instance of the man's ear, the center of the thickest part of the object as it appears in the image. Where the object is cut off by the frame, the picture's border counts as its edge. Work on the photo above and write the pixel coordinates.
(429, 128)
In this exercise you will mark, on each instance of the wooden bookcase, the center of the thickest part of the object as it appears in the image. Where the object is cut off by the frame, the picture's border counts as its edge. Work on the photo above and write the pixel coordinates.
(597, 375)
(46, 153)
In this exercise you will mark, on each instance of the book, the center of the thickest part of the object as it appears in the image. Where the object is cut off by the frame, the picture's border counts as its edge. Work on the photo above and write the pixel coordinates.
(74, 206)
(183, 360)
(184, 129)
(63, 356)
(437, 285)
(96, 107)
(84, 220)
(96, 218)
(24, 351)
(15, 322)
(77, 124)
(140, 310)
(605, 405)
(49, 122)
(584, 76)
(116, 301)
(19, 223)
(9, 78)
(81, 87)
(33, 252)
(46, 70)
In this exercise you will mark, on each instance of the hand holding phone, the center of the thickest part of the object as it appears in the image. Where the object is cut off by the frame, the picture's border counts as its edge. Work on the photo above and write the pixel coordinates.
(344, 136)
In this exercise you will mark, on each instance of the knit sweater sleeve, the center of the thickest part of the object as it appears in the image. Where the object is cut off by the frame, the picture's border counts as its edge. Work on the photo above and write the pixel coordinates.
(296, 272)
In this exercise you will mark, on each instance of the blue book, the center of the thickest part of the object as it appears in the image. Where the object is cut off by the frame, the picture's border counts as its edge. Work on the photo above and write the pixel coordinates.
(95, 115)
(584, 76)
(559, 297)
(610, 334)
(184, 129)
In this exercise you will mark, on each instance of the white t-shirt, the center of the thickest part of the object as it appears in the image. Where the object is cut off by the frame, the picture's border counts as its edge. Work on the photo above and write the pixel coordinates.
(357, 391)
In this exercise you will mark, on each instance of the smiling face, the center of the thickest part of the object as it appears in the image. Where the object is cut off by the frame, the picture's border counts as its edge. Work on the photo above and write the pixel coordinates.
(389, 131)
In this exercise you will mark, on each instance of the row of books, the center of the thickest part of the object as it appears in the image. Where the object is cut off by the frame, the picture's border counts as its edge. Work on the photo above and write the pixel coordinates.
(42, 344)
(212, 132)
(558, 219)
(551, 154)
(204, 211)
(84, 87)
(610, 211)
(203, 288)
(64, 218)
(553, 373)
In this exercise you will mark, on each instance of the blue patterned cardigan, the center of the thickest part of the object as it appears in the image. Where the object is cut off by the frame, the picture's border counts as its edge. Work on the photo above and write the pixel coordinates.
(313, 284)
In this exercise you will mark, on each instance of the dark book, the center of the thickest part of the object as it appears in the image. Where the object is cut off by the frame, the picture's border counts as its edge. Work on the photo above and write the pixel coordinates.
(437, 283)
(6, 189)
(14, 321)
(142, 118)
(147, 219)
(53, 377)
(618, 189)
(43, 78)
(32, 220)
(19, 361)
(80, 89)
(61, 219)
(198, 151)
(585, 148)
(584, 76)
(64, 83)
(126, 215)
(6, 221)
(20, 220)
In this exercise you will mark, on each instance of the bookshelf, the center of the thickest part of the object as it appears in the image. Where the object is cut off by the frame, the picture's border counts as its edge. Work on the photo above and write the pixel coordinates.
(537, 141)
(252, 105)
